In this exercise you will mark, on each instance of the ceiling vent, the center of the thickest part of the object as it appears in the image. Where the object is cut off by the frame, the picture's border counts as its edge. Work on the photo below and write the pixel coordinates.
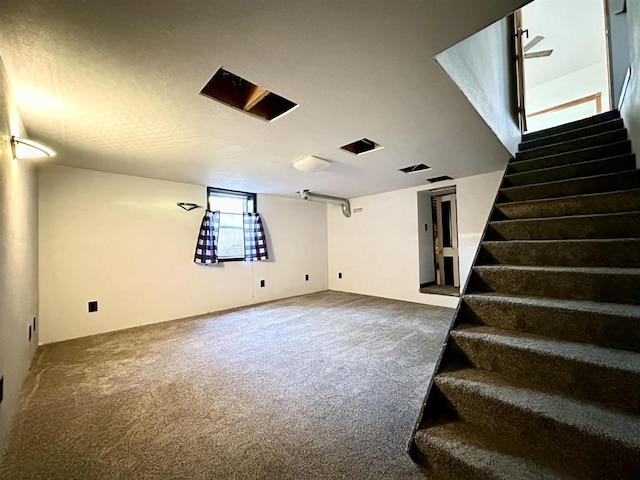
(362, 146)
(241, 94)
(439, 179)
(421, 167)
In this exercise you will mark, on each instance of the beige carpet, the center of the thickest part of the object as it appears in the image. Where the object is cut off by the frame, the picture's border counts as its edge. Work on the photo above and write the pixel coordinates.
(322, 386)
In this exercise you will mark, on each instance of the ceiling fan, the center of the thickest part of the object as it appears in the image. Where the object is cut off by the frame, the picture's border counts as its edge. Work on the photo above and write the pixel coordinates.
(542, 53)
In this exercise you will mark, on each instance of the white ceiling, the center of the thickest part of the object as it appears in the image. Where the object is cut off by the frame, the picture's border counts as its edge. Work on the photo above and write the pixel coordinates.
(113, 86)
(574, 29)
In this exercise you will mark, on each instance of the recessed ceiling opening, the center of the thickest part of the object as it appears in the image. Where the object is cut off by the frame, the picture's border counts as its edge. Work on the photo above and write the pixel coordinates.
(421, 167)
(362, 146)
(439, 179)
(241, 94)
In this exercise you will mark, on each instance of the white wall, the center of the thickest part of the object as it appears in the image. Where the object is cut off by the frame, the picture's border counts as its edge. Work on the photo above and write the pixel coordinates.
(121, 240)
(631, 106)
(578, 84)
(482, 67)
(377, 250)
(18, 258)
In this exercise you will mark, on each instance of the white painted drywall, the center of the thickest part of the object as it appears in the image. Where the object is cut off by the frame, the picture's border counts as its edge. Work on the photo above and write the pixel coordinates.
(631, 107)
(377, 251)
(121, 240)
(482, 67)
(18, 258)
(586, 81)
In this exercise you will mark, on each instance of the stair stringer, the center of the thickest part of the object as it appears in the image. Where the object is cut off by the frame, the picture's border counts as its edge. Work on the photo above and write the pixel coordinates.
(411, 447)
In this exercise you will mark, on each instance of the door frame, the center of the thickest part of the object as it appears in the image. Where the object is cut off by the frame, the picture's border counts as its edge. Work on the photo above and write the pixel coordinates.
(453, 250)
(519, 60)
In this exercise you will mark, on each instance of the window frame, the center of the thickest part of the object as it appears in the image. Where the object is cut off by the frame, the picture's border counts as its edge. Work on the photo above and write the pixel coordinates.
(249, 197)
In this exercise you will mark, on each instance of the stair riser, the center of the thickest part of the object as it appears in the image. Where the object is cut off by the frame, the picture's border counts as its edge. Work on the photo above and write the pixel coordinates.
(441, 464)
(572, 134)
(618, 253)
(599, 287)
(582, 186)
(585, 122)
(625, 225)
(587, 142)
(585, 155)
(609, 386)
(591, 457)
(626, 201)
(598, 167)
(605, 330)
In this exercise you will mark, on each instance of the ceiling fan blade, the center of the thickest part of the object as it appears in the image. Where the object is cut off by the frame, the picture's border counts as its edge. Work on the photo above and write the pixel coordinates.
(541, 53)
(536, 40)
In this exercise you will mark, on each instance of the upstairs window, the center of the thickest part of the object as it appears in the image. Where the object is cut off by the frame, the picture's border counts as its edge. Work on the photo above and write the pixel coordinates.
(232, 205)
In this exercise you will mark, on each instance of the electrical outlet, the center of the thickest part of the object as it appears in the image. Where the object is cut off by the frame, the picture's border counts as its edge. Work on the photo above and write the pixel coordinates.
(339, 274)
(306, 277)
(1, 388)
(29, 332)
(93, 306)
(261, 283)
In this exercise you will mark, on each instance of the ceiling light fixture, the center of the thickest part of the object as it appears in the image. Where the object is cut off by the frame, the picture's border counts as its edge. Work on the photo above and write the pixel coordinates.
(26, 149)
(311, 164)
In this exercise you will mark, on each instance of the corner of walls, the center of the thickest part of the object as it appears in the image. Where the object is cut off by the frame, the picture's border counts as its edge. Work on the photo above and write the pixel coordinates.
(631, 106)
(482, 67)
(18, 259)
(377, 250)
(122, 241)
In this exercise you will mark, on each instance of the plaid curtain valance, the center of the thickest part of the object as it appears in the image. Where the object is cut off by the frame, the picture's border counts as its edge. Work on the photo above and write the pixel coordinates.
(207, 246)
(255, 242)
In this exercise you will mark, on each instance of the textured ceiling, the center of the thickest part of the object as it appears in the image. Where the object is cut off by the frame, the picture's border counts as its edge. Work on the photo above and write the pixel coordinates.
(574, 30)
(113, 86)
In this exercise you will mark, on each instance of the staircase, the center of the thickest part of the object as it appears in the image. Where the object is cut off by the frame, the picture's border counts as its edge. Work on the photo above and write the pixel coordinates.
(540, 377)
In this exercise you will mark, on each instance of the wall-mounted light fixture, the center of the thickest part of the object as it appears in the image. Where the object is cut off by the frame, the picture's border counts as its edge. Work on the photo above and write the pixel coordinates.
(24, 149)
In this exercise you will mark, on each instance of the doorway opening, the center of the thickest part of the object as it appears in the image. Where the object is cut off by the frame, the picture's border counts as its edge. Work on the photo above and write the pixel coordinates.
(438, 242)
(563, 62)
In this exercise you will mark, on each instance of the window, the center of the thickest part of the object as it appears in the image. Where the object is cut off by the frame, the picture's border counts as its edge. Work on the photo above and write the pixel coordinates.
(231, 205)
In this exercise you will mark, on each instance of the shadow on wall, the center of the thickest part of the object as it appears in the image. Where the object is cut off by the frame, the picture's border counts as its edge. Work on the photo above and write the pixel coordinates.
(482, 67)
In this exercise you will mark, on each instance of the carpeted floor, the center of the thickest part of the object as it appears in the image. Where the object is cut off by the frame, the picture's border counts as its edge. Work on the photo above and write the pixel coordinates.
(322, 386)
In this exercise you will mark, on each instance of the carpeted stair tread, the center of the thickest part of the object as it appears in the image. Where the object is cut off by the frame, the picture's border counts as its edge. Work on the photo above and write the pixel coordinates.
(619, 427)
(597, 226)
(571, 145)
(628, 179)
(616, 285)
(568, 158)
(601, 127)
(456, 450)
(582, 252)
(596, 442)
(563, 172)
(575, 125)
(604, 375)
(608, 202)
(612, 325)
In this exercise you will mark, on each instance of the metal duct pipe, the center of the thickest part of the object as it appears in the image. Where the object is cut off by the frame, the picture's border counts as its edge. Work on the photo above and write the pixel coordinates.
(343, 202)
